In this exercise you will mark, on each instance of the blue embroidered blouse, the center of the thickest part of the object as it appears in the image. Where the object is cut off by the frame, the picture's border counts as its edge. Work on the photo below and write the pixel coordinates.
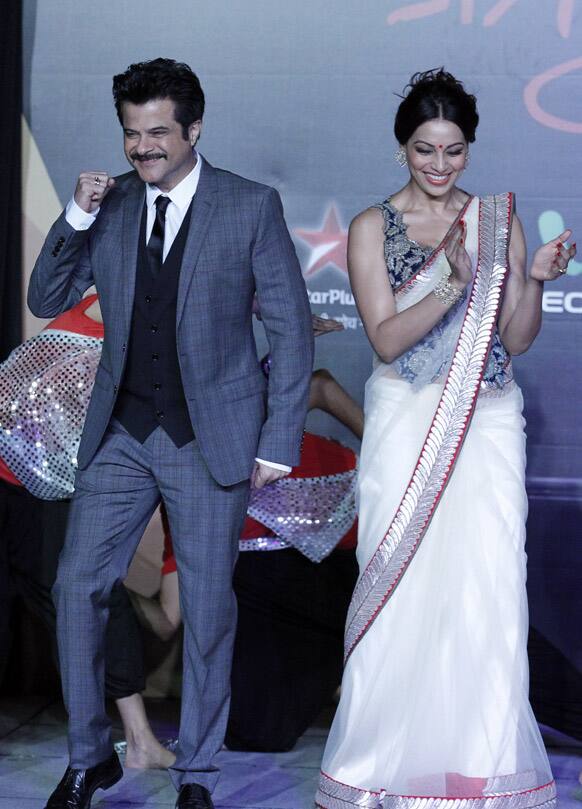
(404, 258)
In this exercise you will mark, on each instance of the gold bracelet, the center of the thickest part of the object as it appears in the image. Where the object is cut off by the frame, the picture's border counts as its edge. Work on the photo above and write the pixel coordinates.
(447, 293)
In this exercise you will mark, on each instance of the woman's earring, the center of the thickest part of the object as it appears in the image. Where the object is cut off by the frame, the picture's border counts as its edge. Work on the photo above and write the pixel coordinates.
(467, 158)
(400, 157)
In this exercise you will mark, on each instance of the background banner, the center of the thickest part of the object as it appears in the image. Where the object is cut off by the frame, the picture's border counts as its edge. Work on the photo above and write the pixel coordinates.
(302, 96)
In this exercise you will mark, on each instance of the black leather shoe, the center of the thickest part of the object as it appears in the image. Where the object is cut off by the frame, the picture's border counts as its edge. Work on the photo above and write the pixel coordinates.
(76, 787)
(193, 796)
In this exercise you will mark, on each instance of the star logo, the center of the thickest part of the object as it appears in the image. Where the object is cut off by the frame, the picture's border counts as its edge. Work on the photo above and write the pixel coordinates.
(328, 244)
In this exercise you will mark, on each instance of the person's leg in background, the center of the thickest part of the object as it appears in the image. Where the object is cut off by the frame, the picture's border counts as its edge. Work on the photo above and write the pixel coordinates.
(144, 751)
(124, 682)
(162, 614)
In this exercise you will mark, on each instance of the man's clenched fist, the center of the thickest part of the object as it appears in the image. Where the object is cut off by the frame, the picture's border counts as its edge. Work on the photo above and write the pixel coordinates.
(92, 186)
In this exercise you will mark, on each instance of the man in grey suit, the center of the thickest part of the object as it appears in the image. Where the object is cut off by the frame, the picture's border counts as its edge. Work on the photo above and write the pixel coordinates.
(180, 410)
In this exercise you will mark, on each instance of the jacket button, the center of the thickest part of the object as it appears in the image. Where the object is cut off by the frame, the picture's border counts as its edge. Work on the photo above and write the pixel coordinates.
(115, 389)
(160, 414)
(157, 386)
(123, 347)
(154, 328)
(155, 357)
(148, 298)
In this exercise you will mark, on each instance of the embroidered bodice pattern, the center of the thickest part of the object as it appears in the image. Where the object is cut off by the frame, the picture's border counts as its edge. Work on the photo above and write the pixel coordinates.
(404, 257)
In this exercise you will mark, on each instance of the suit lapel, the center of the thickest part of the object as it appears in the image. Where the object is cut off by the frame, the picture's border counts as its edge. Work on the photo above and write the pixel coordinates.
(132, 210)
(203, 206)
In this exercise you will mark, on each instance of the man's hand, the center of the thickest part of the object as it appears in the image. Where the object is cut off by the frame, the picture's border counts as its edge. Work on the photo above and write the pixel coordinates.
(92, 187)
(263, 474)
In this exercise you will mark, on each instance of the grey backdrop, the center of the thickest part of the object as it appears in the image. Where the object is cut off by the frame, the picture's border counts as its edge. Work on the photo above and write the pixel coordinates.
(301, 95)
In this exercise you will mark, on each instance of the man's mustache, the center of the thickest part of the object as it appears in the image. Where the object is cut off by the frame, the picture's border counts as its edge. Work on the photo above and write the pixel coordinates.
(143, 158)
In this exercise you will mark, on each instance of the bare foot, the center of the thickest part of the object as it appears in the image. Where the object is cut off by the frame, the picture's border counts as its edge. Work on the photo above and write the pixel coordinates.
(142, 750)
(152, 756)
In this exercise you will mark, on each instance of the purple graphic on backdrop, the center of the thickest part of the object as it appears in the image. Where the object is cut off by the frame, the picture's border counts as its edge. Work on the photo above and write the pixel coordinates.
(467, 15)
(467, 12)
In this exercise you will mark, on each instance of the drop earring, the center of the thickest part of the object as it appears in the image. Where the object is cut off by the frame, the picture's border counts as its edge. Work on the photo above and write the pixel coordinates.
(467, 158)
(400, 156)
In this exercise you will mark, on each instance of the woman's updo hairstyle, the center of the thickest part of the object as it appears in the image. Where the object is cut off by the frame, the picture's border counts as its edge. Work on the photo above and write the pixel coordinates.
(435, 94)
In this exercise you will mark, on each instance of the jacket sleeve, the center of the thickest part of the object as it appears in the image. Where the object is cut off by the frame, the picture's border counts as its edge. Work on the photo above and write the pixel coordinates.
(62, 272)
(286, 316)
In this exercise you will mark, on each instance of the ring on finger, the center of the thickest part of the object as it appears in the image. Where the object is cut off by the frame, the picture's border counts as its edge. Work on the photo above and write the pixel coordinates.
(562, 270)
(97, 180)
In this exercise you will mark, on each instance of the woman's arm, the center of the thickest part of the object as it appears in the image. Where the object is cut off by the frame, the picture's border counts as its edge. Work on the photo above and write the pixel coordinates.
(521, 311)
(392, 333)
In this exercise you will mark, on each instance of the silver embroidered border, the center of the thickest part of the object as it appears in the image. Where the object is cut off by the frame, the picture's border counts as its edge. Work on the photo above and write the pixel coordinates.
(332, 794)
(448, 429)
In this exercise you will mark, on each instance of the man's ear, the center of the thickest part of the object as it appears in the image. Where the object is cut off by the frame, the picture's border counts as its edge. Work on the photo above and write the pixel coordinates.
(194, 131)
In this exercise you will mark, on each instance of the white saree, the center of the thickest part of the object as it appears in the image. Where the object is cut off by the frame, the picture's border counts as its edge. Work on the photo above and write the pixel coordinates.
(434, 709)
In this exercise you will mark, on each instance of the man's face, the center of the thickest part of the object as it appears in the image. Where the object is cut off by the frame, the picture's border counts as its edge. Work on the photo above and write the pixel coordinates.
(154, 144)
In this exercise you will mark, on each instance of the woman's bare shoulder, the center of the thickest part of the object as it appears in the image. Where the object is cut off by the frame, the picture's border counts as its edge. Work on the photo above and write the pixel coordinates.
(368, 221)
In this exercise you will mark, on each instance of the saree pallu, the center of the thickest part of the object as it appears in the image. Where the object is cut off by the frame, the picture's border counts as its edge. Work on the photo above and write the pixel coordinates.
(434, 708)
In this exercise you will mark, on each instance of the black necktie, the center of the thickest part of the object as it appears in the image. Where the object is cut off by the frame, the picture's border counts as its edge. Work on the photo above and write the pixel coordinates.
(155, 245)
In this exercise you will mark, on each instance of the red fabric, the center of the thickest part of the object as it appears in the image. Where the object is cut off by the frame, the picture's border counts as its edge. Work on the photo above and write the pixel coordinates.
(168, 558)
(319, 457)
(253, 529)
(74, 320)
(323, 456)
(7, 475)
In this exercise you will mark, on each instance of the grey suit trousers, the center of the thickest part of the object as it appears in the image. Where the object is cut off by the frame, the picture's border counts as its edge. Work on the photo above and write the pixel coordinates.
(113, 502)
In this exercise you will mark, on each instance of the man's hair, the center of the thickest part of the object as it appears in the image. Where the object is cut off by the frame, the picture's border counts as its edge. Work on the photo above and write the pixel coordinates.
(161, 78)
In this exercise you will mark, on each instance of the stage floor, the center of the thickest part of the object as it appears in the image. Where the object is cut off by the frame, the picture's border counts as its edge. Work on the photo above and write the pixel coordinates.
(32, 760)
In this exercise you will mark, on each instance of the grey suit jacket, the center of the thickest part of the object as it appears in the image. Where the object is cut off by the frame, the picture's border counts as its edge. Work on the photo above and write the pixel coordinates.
(237, 244)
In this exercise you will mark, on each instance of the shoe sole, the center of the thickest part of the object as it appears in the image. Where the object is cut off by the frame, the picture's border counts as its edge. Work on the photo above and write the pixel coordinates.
(111, 781)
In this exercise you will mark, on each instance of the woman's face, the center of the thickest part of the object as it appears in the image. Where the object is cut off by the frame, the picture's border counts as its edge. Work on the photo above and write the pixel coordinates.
(436, 153)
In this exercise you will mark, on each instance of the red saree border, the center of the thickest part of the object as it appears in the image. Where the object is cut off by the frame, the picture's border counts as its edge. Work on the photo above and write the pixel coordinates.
(332, 794)
(448, 429)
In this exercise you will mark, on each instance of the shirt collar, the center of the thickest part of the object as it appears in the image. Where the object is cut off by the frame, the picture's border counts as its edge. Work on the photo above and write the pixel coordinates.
(181, 194)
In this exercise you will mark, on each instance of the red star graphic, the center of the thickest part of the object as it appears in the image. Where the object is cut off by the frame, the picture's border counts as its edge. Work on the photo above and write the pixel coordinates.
(328, 244)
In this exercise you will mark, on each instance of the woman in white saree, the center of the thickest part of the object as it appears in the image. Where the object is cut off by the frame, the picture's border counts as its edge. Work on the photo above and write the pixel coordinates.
(434, 708)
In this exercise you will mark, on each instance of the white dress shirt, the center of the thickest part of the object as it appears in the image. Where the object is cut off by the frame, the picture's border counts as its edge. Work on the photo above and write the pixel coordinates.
(180, 199)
